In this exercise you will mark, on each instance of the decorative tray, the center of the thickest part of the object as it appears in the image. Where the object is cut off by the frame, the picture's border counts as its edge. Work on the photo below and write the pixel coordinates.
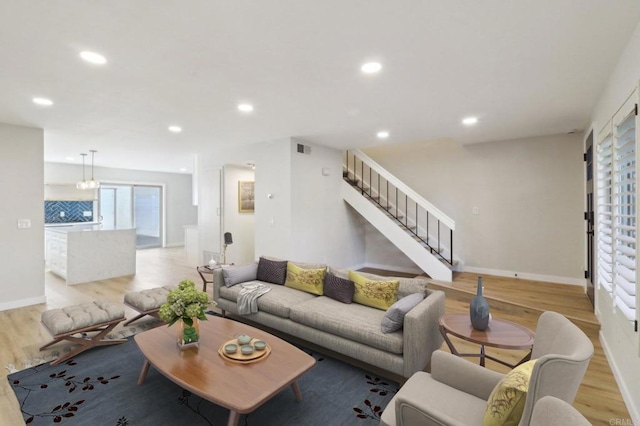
(241, 358)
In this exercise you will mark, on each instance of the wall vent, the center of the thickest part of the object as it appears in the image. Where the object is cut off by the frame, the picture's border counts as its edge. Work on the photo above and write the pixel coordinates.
(303, 149)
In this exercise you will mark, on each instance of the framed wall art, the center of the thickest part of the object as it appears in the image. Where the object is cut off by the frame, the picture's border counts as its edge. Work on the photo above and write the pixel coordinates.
(246, 196)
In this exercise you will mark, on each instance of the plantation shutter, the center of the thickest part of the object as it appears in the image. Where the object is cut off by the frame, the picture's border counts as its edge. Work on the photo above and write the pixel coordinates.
(605, 209)
(624, 195)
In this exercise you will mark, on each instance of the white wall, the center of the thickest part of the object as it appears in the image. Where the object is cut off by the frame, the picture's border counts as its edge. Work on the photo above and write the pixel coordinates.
(621, 343)
(22, 194)
(274, 234)
(305, 218)
(179, 209)
(324, 228)
(240, 224)
(529, 193)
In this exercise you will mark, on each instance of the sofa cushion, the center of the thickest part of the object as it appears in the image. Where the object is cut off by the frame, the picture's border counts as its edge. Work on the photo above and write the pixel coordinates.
(355, 322)
(308, 265)
(337, 288)
(238, 274)
(394, 318)
(407, 285)
(272, 271)
(278, 301)
(377, 294)
(309, 280)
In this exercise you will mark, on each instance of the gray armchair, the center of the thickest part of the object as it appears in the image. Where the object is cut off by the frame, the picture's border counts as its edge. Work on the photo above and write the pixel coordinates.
(550, 411)
(456, 391)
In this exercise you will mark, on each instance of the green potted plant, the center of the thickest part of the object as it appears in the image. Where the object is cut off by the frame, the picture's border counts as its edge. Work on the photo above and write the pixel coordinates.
(186, 306)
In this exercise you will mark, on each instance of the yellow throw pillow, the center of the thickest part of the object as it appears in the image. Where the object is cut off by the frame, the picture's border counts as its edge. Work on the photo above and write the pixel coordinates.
(377, 294)
(309, 280)
(506, 402)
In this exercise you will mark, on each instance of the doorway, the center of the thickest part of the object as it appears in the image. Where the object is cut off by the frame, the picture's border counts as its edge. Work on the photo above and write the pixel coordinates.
(589, 216)
(133, 206)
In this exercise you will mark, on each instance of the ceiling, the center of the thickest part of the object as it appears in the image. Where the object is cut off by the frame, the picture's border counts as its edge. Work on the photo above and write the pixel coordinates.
(524, 68)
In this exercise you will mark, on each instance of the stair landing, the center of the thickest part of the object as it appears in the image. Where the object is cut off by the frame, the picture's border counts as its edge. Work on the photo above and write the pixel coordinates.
(521, 297)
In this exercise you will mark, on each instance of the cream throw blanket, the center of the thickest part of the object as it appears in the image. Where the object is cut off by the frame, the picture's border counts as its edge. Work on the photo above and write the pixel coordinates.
(248, 297)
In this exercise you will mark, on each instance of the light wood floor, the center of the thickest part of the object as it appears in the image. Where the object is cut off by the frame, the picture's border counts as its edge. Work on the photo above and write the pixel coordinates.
(598, 398)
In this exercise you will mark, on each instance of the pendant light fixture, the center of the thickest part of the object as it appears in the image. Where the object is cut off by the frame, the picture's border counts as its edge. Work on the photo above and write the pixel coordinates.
(93, 184)
(83, 183)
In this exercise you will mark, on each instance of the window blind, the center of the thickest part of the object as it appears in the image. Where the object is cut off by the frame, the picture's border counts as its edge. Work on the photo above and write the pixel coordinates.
(605, 217)
(624, 217)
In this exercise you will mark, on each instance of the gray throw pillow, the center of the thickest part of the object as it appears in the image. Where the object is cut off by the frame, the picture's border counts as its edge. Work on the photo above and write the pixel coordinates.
(338, 288)
(394, 318)
(272, 271)
(239, 274)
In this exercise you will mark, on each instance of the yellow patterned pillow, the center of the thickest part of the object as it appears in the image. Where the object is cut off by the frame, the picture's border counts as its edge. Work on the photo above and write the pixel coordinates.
(309, 280)
(506, 402)
(377, 294)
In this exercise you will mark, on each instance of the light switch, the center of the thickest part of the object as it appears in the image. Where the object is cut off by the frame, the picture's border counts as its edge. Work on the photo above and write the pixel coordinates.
(24, 223)
(475, 210)
(61, 214)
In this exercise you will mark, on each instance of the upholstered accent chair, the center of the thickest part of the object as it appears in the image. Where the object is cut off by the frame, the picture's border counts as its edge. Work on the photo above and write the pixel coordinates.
(456, 391)
(551, 411)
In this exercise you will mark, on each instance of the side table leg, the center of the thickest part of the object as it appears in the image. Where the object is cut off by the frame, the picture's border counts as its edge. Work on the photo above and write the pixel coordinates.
(482, 355)
(143, 373)
(447, 341)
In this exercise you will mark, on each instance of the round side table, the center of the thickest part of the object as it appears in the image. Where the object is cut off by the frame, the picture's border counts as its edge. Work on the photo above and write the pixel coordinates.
(500, 333)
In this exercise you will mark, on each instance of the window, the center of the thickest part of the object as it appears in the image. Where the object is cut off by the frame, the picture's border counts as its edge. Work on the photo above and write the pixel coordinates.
(625, 216)
(616, 187)
(605, 239)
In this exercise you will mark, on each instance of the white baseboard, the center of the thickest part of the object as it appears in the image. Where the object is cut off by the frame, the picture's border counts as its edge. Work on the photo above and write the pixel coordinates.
(22, 303)
(174, 245)
(528, 276)
(416, 270)
(356, 267)
(632, 403)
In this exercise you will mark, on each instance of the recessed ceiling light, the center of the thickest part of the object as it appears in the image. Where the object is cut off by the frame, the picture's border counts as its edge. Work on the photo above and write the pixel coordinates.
(42, 101)
(175, 129)
(69, 158)
(371, 67)
(470, 121)
(93, 57)
(245, 107)
(183, 169)
(383, 134)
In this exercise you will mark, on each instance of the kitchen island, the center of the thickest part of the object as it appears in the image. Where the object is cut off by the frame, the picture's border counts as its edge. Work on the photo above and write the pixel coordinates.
(85, 253)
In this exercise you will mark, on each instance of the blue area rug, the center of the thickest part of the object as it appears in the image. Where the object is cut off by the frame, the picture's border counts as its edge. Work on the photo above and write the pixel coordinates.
(99, 388)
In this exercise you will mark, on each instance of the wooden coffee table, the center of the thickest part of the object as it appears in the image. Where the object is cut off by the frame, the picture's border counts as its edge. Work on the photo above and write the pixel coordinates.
(203, 371)
(499, 334)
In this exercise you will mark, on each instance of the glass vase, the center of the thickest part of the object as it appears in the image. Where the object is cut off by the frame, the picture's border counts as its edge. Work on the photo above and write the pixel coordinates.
(188, 335)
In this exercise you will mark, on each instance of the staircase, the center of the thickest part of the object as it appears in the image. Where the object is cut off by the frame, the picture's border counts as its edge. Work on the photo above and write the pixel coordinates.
(419, 229)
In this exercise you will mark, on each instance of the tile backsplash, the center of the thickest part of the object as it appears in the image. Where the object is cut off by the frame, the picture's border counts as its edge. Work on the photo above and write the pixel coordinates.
(68, 211)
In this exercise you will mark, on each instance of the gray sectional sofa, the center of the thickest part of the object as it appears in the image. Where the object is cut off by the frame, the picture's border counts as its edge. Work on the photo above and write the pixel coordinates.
(350, 329)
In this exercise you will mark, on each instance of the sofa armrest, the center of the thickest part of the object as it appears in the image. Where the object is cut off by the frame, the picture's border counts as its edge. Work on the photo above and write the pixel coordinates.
(463, 375)
(218, 281)
(421, 334)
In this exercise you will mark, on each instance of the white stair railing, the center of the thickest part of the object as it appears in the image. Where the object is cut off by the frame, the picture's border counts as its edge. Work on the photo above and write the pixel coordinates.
(426, 223)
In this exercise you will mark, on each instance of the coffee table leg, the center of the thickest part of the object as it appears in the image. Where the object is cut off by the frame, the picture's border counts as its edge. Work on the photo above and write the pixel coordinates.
(296, 391)
(143, 373)
(482, 355)
(233, 418)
